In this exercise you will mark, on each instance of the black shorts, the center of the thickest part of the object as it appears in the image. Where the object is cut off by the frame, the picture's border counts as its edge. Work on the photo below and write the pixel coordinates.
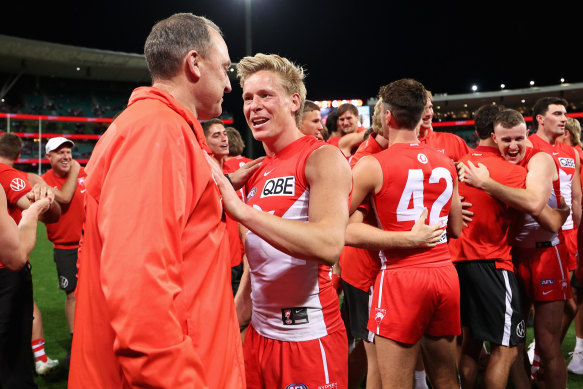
(490, 303)
(236, 274)
(358, 303)
(574, 283)
(66, 260)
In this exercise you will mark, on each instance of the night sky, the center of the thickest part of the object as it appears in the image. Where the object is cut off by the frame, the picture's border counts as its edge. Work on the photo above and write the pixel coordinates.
(349, 49)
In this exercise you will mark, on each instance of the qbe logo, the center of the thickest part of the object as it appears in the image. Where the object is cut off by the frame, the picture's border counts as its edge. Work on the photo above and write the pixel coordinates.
(567, 162)
(280, 186)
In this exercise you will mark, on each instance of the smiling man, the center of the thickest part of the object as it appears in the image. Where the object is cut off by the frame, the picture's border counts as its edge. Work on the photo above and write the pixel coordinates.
(66, 233)
(296, 212)
(217, 139)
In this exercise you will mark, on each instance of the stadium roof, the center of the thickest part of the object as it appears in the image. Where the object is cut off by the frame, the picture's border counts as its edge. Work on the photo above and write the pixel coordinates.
(25, 56)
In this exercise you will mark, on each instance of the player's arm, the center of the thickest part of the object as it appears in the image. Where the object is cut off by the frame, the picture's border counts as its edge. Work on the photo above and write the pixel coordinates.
(576, 192)
(455, 219)
(38, 192)
(65, 194)
(349, 141)
(322, 238)
(243, 302)
(532, 199)
(18, 241)
(368, 179)
(366, 236)
(553, 219)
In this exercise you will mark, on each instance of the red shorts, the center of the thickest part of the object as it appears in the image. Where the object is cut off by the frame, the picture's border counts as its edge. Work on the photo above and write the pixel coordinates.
(543, 272)
(410, 302)
(569, 237)
(319, 363)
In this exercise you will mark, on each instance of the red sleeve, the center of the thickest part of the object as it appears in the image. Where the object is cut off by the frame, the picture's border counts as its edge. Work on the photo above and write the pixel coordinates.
(15, 185)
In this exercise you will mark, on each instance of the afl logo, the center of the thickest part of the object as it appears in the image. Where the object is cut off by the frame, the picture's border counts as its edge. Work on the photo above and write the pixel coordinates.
(422, 158)
(17, 184)
(252, 193)
(296, 385)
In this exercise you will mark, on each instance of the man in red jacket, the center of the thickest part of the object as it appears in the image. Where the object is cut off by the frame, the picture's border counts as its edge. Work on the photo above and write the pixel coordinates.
(154, 302)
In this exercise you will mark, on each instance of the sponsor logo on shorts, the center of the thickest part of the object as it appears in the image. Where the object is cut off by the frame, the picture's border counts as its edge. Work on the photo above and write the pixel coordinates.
(379, 315)
(547, 281)
(296, 385)
(567, 162)
(64, 282)
(280, 186)
(17, 184)
(422, 158)
(332, 385)
(547, 292)
(520, 329)
(251, 193)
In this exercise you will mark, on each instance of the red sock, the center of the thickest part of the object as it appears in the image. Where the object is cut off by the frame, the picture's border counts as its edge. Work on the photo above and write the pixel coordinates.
(38, 348)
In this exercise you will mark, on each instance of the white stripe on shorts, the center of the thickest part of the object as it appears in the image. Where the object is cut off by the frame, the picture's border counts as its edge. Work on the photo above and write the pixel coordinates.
(324, 362)
(508, 311)
(380, 296)
(561, 267)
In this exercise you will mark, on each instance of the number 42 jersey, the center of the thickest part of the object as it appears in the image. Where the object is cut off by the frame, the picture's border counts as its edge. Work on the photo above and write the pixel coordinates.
(293, 298)
(414, 177)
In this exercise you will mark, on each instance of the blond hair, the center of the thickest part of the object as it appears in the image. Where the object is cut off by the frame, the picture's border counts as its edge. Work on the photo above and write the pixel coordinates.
(291, 76)
(574, 128)
(377, 121)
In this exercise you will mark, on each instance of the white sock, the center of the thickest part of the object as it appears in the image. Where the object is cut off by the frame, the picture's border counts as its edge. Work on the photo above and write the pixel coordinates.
(420, 381)
(578, 344)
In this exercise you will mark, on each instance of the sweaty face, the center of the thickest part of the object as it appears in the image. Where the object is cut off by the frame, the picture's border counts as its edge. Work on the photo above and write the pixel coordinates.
(60, 160)
(312, 124)
(268, 108)
(347, 122)
(511, 142)
(554, 120)
(427, 117)
(214, 81)
(217, 140)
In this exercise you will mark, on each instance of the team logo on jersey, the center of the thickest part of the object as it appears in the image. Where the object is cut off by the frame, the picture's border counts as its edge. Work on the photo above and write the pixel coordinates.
(547, 281)
(567, 162)
(296, 385)
(17, 184)
(294, 316)
(520, 329)
(422, 158)
(280, 186)
(251, 193)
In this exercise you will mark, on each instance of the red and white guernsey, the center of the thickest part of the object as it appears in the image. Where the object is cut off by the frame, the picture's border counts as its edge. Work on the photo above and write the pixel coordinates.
(415, 177)
(565, 158)
(293, 298)
(527, 232)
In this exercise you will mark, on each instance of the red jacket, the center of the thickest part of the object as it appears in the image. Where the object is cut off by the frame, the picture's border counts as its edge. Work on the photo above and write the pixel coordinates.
(154, 301)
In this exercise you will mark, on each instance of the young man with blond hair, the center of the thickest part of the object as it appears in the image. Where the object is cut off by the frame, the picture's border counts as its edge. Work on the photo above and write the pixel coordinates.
(296, 213)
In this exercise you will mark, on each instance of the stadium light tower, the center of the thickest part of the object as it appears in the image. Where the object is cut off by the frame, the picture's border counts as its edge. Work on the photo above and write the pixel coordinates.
(248, 41)
(474, 88)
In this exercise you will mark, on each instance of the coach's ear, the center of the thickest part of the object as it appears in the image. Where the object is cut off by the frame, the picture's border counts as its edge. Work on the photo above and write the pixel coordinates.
(192, 64)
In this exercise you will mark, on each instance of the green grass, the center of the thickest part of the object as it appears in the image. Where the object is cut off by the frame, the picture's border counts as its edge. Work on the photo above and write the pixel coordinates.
(51, 302)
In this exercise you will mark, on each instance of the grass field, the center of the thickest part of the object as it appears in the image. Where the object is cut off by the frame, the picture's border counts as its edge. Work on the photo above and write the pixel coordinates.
(51, 302)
